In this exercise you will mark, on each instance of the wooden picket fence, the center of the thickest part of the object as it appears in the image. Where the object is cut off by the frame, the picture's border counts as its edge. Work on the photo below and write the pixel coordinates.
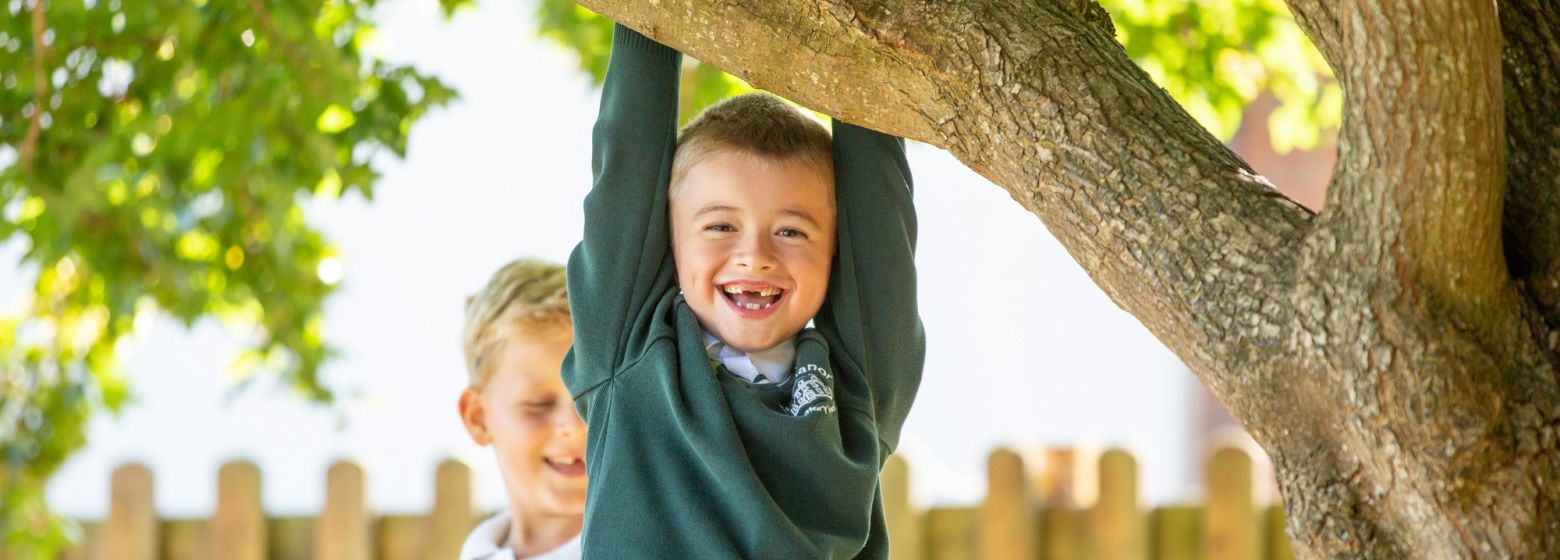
(1066, 506)
(239, 529)
(1077, 506)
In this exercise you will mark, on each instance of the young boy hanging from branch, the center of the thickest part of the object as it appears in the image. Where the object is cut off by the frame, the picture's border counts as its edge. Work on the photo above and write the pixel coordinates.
(720, 424)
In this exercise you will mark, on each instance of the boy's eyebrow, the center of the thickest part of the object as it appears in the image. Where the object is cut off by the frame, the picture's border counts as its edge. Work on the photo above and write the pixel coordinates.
(714, 208)
(800, 214)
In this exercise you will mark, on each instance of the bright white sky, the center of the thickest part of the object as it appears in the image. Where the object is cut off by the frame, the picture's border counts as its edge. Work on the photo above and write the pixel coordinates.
(1022, 347)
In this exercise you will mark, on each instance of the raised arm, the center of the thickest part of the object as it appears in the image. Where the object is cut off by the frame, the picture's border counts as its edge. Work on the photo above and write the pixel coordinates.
(872, 297)
(616, 268)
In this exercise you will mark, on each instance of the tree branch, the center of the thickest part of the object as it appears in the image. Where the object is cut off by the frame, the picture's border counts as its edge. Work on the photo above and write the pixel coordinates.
(1418, 190)
(40, 88)
(1531, 71)
(1040, 99)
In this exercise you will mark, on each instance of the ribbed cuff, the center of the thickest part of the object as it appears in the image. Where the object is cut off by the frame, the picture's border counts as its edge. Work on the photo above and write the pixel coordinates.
(627, 38)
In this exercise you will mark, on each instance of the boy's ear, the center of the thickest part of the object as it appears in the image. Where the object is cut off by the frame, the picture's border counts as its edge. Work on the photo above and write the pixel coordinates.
(474, 415)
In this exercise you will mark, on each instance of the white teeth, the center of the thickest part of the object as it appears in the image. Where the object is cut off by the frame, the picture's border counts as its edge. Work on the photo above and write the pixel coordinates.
(766, 291)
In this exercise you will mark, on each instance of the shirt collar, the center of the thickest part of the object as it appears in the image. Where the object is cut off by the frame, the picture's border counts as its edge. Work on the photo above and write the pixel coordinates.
(768, 366)
(487, 540)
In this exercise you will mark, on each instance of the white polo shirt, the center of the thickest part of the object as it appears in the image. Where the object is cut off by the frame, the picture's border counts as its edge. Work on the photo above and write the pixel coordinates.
(489, 541)
(770, 366)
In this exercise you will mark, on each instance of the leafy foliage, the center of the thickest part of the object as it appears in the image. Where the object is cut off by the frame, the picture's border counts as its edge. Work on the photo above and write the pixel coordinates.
(155, 153)
(1214, 57)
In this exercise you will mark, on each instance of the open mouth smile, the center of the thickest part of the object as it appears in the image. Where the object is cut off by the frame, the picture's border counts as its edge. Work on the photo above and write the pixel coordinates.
(752, 300)
(566, 466)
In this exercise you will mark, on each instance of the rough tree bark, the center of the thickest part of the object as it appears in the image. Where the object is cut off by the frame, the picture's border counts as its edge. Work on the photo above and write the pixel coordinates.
(1396, 355)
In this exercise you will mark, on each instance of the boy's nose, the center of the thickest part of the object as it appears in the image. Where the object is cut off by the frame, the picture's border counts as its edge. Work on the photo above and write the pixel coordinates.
(756, 254)
(570, 427)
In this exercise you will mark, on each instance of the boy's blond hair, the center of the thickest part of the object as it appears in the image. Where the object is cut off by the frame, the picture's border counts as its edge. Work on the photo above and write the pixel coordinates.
(758, 124)
(525, 296)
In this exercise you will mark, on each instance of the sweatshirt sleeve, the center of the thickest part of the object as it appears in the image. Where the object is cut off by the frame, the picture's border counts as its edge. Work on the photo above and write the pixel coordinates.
(872, 291)
(615, 271)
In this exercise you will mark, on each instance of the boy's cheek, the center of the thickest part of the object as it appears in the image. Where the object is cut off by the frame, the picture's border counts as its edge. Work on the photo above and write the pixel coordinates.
(525, 427)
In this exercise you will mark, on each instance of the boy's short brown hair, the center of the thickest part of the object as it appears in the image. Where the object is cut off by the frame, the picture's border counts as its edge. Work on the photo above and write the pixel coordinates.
(756, 123)
(526, 296)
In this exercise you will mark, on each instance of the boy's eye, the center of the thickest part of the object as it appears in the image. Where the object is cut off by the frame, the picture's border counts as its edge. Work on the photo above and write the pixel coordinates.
(791, 232)
(537, 406)
(719, 227)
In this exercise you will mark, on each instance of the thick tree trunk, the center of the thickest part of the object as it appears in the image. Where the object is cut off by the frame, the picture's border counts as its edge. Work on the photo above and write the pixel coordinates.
(1396, 354)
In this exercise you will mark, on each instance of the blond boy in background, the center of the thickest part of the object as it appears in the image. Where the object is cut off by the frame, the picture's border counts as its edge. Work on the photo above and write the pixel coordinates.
(518, 329)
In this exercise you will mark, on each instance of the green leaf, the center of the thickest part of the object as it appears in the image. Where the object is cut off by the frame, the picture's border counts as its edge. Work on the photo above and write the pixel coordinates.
(335, 119)
(182, 137)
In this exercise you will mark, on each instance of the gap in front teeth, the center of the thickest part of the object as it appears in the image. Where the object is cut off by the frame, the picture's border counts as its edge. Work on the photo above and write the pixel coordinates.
(766, 292)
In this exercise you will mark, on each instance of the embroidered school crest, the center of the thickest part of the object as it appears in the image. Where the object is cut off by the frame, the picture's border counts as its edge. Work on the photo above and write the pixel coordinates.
(813, 393)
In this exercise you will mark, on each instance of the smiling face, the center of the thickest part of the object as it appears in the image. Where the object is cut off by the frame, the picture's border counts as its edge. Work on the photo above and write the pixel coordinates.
(525, 412)
(753, 238)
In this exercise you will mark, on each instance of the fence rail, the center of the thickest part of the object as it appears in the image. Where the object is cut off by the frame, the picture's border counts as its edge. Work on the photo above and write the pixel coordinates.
(1053, 505)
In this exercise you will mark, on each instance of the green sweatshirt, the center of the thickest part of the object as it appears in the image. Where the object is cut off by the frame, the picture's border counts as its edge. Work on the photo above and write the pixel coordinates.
(688, 462)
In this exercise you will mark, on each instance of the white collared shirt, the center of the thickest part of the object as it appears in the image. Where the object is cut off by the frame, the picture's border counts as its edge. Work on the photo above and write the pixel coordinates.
(770, 366)
(490, 541)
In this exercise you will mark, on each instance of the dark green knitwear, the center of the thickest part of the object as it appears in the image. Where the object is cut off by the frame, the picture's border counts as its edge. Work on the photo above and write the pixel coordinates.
(686, 462)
